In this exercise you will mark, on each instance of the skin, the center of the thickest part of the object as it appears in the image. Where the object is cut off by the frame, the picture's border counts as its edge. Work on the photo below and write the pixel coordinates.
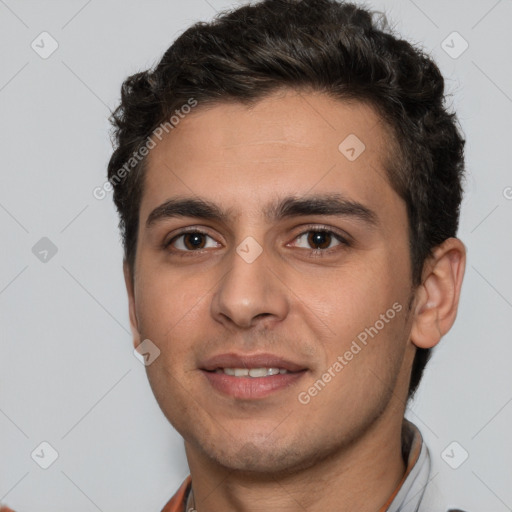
(342, 450)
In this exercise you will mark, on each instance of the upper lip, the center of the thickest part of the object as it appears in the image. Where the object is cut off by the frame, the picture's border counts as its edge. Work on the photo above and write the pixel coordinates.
(232, 360)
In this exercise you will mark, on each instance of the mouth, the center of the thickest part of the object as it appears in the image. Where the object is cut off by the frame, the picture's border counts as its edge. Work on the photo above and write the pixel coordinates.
(254, 373)
(251, 376)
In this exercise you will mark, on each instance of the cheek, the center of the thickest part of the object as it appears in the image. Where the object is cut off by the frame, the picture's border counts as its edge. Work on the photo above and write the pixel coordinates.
(365, 309)
(355, 296)
(169, 307)
(172, 315)
(362, 363)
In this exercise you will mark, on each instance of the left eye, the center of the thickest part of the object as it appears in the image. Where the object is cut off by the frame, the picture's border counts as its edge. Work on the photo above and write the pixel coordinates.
(191, 241)
(321, 238)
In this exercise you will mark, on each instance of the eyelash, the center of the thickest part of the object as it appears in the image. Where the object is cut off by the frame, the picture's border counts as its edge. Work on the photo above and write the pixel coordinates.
(314, 252)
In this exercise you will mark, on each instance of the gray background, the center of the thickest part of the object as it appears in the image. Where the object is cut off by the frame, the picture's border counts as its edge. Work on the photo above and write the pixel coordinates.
(67, 372)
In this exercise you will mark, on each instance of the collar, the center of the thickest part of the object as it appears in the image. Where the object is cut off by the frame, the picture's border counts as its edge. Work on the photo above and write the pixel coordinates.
(409, 493)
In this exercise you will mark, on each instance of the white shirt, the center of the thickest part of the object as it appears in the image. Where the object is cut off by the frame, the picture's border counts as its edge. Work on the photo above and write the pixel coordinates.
(418, 493)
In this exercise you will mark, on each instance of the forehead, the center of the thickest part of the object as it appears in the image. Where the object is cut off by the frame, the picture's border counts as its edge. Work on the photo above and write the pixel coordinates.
(290, 142)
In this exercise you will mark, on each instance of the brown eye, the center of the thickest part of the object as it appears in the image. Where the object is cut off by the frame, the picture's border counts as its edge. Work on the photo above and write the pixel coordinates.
(322, 239)
(319, 240)
(192, 241)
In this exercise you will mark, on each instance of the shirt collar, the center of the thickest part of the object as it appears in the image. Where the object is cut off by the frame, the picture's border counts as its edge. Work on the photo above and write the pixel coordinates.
(409, 493)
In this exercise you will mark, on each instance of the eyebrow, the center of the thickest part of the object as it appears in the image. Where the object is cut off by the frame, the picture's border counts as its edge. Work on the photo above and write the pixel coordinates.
(288, 207)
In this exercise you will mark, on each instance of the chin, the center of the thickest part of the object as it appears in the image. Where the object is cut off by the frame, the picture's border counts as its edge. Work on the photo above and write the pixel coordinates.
(261, 458)
(252, 459)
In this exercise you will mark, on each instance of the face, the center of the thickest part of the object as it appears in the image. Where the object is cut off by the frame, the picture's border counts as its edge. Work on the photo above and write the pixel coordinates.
(268, 245)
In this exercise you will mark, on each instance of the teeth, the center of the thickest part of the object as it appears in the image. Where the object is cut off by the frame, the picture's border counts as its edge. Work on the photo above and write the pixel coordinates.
(252, 372)
(258, 372)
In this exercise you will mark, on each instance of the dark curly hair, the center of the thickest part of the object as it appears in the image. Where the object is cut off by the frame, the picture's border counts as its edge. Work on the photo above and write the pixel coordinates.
(336, 48)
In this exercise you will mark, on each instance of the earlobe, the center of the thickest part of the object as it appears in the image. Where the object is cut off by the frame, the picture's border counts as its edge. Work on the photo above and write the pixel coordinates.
(129, 282)
(437, 298)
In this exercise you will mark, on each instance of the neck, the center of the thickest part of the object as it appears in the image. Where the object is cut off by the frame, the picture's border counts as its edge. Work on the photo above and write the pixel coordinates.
(360, 477)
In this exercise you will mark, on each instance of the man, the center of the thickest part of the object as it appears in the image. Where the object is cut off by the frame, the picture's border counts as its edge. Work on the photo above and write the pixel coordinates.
(288, 182)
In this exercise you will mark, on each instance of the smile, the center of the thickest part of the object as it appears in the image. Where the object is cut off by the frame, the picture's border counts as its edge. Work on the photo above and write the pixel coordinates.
(252, 372)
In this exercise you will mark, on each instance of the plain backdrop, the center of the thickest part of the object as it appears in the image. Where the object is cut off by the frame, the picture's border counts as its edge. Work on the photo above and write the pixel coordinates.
(68, 376)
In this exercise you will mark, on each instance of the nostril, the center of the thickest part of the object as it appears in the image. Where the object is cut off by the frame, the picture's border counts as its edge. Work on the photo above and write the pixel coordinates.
(262, 315)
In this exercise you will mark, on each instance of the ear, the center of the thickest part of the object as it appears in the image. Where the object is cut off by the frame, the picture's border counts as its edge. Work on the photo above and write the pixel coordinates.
(437, 297)
(129, 280)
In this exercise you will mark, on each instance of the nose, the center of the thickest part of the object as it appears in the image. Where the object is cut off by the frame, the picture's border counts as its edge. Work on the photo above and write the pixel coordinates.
(250, 293)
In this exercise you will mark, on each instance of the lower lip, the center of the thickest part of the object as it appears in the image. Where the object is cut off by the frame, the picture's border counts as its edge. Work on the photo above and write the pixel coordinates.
(248, 388)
